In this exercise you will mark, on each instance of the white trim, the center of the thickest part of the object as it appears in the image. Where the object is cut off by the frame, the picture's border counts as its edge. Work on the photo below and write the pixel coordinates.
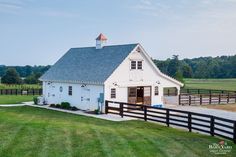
(157, 69)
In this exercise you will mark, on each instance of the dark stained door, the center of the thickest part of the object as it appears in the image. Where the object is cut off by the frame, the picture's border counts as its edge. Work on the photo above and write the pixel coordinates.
(147, 96)
(132, 95)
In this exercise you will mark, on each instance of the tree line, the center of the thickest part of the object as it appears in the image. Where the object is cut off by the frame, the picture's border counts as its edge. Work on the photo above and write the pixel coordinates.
(21, 74)
(202, 67)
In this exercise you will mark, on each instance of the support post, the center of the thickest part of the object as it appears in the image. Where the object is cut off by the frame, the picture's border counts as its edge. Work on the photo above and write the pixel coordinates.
(212, 126)
(234, 136)
(106, 107)
(189, 122)
(121, 109)
(145, 112)
(167, 117)
(200, 99)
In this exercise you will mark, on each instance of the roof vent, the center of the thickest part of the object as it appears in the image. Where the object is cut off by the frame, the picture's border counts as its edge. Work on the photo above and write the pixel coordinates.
(100, 41)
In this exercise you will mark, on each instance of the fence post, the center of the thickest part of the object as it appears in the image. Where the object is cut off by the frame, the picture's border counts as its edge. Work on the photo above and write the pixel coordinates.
(121, 109)
(228, 98)
(219, 98)
(168, 92)
(212, 126)
(201, 99)
(189, 122)
(235, 96)
(234, 136)
(167, 117)
(106, 107)
(145, 113)
(189, 100)
(180, 99)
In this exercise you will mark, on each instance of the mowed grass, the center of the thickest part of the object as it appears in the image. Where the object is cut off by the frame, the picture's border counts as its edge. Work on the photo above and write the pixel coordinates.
(15, 99)
(27, 131)
(217, 84)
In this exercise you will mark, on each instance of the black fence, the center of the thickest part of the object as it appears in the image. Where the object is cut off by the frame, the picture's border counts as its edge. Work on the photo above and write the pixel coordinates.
(215, 126)
(20, 91)
(205, 91)
(201, 99)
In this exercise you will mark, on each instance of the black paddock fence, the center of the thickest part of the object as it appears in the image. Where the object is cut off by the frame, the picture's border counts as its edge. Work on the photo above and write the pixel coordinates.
(204, 99)
(20, 91)
(212, 125)
(205, 91)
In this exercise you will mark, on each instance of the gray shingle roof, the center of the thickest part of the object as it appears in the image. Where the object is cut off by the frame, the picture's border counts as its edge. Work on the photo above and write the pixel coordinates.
(88, 64)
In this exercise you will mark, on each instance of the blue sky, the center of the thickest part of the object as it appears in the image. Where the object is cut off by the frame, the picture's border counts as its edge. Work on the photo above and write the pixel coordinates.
(39, 32)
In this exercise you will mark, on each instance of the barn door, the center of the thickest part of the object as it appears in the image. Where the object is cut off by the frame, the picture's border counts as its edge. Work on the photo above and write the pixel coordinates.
(147, 96)
(132, 95)
(85, 98)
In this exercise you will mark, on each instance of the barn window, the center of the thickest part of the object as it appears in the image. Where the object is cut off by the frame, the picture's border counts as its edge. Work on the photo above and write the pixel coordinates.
(70, 90)
(156, 91)
(133, 64)
(113, 93)
(132, 91)
(140, 65)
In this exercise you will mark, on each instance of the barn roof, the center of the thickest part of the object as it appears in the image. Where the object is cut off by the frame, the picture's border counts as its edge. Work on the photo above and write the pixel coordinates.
(88, 64)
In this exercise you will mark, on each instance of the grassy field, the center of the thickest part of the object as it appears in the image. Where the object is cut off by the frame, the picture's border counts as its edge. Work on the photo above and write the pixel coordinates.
(28, 131)
(218, 84)
(15, 99)
(23, 86)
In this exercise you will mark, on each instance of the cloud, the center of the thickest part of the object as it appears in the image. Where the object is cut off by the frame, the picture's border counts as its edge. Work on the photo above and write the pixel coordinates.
(9, 7)
(63, 14)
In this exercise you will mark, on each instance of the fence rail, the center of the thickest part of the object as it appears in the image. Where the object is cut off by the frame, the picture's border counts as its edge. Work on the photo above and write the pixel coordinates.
(20, 91)
(205, 91)
(215, 126)
(201, 99)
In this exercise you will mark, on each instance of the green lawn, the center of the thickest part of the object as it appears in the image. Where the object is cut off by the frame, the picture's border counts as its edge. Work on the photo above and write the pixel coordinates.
(33, 132)
(15, 99)
(218, 84)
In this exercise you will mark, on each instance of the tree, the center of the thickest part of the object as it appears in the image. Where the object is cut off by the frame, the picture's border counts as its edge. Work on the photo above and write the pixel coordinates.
(178, 76)
(187, 71)
(33, 78)
(173, 66)
(11, 77)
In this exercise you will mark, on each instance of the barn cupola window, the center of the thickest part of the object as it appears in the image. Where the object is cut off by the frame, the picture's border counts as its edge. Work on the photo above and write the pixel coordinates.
(100, 41)
(70, 90)
(113, 93)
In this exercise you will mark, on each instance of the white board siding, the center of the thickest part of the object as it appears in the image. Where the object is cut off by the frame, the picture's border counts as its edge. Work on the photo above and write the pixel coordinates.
(52, 94)
(124, 77)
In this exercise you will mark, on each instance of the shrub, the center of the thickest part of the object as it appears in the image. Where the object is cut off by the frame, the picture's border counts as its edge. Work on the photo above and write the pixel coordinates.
(52, 105)
(74, 108)
(58, 106)
(35, 99)
(65, 105)
(96, 111)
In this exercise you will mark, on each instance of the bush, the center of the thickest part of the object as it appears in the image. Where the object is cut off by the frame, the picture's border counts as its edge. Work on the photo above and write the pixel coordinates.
(52, 105)
(74, 108)
(65, 105)
(96, 111)
(58, 106)
(35, 99)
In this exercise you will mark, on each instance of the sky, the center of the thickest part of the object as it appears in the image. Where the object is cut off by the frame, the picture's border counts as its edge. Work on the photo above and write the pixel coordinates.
(39, 32)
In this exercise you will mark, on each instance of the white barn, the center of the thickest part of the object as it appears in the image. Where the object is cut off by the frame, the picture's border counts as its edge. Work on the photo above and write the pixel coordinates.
(87, 76)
